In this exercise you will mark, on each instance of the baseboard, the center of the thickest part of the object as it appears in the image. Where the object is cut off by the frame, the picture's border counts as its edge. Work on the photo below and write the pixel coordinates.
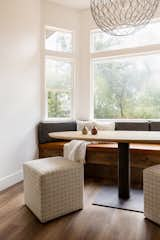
(10, 180)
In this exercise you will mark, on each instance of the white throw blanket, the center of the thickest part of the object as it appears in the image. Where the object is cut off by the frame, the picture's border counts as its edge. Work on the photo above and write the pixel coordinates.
(75, 150)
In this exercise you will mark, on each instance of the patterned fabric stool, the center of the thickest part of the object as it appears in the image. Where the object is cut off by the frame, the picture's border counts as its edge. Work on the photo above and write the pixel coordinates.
(53, 187)
(151, 187)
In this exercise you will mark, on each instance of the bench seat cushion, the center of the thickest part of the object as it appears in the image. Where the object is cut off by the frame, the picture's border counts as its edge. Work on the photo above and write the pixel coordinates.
(132, 126)
(45, 128)
(155, 126)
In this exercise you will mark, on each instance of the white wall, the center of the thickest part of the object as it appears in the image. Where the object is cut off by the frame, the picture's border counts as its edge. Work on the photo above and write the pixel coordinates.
(61, 17)
(19, 86)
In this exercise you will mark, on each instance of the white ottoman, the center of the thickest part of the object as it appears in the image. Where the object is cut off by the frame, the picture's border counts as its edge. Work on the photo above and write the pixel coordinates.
(53, 187)
(151, 187)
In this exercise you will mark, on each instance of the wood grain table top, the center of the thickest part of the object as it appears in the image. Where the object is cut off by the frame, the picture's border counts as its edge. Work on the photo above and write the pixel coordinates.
(111, 136)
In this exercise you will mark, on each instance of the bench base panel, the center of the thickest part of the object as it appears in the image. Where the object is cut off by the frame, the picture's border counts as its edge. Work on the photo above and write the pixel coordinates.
(101, 160)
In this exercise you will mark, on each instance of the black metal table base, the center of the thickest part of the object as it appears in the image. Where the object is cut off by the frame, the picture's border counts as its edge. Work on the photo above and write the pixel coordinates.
(123, 170)
(108, 197)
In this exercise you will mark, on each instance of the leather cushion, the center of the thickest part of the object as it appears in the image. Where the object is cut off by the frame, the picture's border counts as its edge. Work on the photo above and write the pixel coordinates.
(155, 126)
(45, 128)
(132, 126)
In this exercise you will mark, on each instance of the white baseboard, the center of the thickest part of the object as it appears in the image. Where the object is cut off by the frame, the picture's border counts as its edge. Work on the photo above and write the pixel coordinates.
(10, 180)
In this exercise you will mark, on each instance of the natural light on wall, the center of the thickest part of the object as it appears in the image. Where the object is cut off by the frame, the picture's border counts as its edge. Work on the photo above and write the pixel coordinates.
(126, 85)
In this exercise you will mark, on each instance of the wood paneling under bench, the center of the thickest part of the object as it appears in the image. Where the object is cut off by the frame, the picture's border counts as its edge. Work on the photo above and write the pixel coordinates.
(101, 159)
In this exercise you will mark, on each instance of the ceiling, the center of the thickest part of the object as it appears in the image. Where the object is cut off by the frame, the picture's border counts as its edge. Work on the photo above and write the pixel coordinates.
(78, 4)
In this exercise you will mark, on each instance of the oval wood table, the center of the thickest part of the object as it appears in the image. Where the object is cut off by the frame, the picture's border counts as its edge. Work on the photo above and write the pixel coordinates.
(122, 200)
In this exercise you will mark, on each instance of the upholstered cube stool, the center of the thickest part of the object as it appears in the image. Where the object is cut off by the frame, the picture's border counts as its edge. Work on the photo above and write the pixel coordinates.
(53, 187)
(151, 187)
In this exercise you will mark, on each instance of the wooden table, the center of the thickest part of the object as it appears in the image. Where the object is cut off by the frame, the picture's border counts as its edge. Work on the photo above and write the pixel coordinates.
(123, 138)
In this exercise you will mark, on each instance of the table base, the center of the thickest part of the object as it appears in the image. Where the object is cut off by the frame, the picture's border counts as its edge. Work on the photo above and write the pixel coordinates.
(108, 197)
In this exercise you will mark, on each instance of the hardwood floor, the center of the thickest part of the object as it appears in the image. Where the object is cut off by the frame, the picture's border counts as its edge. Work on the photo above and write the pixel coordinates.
(92, 223)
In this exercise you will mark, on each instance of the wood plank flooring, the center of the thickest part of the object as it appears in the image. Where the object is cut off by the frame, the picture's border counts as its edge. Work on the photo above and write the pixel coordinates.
(93, 223)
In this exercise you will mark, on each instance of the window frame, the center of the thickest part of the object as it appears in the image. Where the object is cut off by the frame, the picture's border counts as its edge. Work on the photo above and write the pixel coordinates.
(152, 49)
(122, 51)
(66, 57)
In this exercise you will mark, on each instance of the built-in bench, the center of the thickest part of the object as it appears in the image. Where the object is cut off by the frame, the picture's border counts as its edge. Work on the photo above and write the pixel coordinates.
(101, 158)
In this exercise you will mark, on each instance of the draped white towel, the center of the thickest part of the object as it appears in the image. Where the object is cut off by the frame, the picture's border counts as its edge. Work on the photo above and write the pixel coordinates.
(75, 150)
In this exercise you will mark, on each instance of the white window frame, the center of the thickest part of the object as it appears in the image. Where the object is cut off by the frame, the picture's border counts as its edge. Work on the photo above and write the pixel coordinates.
(117, 53)
(61, 56)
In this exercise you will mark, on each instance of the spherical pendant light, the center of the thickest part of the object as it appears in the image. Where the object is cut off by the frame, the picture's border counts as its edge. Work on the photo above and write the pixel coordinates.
(122, 17)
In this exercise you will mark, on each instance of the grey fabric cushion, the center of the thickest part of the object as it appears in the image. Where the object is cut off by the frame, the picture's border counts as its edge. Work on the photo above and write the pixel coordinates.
(155, 126)
(45, 128)
(132, 126)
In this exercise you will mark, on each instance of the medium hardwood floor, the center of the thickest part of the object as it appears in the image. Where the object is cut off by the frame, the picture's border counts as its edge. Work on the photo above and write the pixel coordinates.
(92, 223)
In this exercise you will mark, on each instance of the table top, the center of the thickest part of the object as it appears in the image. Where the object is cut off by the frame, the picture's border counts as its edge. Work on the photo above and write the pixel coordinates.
(111, 136)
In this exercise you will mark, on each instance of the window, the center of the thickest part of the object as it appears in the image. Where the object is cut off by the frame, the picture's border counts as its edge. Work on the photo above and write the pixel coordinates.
(59, 41)
(148, 35)
(58, 84)
(127, 86)
(59, 72)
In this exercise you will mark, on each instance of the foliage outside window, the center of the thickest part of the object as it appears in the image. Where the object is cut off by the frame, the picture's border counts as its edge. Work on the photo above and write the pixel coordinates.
(127, 86)
(58, 73)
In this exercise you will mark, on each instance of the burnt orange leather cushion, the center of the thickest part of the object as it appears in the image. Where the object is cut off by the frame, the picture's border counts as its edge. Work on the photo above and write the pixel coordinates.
(101, 146)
